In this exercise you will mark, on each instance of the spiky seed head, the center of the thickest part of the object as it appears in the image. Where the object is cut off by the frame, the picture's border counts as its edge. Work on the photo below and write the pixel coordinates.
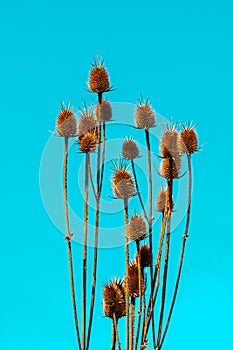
(188, 140)
(87, 142)
(87, 123)
(114, 299)
(66, 123)
(122, 184)
(98, 79)
(133, 281)
(137, 228)
(103, 111)
(170, 168)
(145, 116)
(145, 255)
(130, 149)
(161, 200)
(169, 144)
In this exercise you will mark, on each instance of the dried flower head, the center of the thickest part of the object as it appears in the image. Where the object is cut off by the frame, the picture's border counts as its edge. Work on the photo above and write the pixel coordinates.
(137, 228)
(170, 142)
(122, 182)
(161, 200)
(146, 256)
(130, 149)
(145, 116)
(114, 299)
(87, 123)
(188, 140)
(103, 111)
(133, 281)
(98, 79)
(87, 142)
(66, 123)
(170, 168)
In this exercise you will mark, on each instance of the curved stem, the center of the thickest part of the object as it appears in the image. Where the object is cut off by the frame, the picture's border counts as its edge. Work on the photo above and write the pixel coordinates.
(68, 235)
(85, 254)
(137, 188)
(127, 270)
(182, 249)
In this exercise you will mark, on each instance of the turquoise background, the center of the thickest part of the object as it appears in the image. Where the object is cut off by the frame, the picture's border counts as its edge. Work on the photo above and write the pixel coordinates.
(180, 54)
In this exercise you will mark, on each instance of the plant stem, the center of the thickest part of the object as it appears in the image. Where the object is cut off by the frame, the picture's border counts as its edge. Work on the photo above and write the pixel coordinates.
(127, 270)
(85, 253)
(113, 336)
(103, 155)
(132, 322)
(140, 293)
(182, 248)
(137, 188)
(116, 330)
(68, 235)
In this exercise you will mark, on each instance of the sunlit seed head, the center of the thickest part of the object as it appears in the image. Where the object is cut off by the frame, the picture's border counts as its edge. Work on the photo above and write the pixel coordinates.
(145, 117)
(66, 123)
(170, 168)
(98, 79)
(188, 140)
(122, 184)
(130, 149)
(169, 144)
(87, 142)
(87, 123)
(145, 255)
(133, 281)
(114, 299)
(103, 111)
(137, 228)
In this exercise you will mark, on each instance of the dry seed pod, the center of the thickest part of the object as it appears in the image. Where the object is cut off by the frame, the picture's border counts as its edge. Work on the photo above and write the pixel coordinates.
(170, 168)
(86, 124)
(146, 256)
(66, 123)
(188, 140)
(170, 143)
(133, 281)
(161, 200)
(114, 299)
(145, 117)
(137, 228)
(122, 184)
(98, 79)
(87, 142)
(103, 111)
(130, 149)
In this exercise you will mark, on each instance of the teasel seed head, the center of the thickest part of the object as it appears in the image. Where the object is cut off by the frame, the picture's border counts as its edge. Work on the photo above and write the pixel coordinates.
(103, 111)
(133, 281)
(145, 116)
(137, 228)
(188, 140)
(170, 168)
(122, 182)
(98, 79)
(114, 299)
(169, 144)
(66, 123)
(146, 256)
(87, 123)
(130, 149)
(87, 142)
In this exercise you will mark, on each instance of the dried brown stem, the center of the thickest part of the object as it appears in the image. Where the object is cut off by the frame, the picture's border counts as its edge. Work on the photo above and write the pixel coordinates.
(113, 336)
(68, 235)
(132, 322)
(103, 156)
(182, 249)
(137, 188)
(127, 270)
(140, 294)
(116, 330)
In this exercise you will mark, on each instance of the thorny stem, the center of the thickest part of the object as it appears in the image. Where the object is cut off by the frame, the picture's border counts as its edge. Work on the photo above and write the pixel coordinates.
(68, 235)
(127, 270)
(169, 209)
(140, 293)
(116, 330)
(137, 188)
(182, 249)
(132, 322)
(150, 222)
(85, 254)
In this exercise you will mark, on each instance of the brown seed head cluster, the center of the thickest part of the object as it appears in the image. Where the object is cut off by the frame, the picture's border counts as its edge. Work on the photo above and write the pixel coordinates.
(145, 117)
(188, 140)
(133, 281)
(122, 184)
(161, 200)
(98, 79)
(170, 168)
(146, 256)
(103, 111)
(66, 123)
(86, 124)
(114, 299)
(87, 142)
(130, 149)
(170, 143)
(137, 228)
